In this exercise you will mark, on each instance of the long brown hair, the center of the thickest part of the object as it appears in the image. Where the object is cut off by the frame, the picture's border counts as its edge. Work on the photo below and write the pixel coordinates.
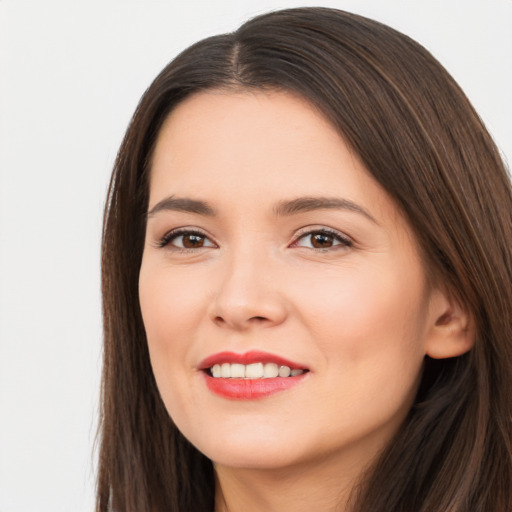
(419, 137)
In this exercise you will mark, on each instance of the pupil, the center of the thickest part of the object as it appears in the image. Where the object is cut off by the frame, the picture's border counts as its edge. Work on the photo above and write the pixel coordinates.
(192, 241)
(321, 240)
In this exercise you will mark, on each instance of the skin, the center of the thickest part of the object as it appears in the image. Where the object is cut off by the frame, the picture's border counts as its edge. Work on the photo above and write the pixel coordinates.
(359, 315)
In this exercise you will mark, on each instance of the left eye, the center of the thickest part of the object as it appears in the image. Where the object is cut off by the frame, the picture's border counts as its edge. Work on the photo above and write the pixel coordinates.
(186, 240)
(322, 240)
(191, 241)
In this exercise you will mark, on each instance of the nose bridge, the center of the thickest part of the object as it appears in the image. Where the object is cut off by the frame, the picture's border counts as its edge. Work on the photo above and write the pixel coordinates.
(247, 290)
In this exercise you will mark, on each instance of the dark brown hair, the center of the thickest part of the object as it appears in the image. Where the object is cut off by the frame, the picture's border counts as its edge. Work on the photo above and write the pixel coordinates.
(419, 137)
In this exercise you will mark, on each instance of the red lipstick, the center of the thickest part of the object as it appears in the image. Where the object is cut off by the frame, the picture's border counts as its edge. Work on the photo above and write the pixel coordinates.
(254, 356)
(245, 388)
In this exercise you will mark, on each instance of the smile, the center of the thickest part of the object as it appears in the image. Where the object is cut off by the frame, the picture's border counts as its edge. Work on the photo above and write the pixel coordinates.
(251, 375)
(252, 371)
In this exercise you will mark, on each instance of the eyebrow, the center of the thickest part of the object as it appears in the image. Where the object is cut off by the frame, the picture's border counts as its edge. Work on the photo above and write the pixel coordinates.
(183, 204)
(307, 204)
(281, 209)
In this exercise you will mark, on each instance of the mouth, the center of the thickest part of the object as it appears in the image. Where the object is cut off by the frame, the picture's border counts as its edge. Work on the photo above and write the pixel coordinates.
(251, 375)
(258, 370)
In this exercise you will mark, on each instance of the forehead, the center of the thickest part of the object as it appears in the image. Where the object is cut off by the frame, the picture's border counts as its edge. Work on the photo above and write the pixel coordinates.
(254, 147)
(256, 127)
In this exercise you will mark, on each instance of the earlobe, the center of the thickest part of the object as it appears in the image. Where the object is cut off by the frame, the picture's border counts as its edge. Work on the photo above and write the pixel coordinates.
(452, 331)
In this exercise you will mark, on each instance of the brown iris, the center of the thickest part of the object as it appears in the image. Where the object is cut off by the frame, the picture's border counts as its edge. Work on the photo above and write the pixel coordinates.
(322, 240)
(192, 241)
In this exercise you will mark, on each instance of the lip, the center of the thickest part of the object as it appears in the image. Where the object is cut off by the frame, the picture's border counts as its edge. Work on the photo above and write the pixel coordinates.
(254, 356)
(249, 389)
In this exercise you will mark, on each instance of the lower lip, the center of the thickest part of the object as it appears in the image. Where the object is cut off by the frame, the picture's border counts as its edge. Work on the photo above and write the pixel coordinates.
(250, 389)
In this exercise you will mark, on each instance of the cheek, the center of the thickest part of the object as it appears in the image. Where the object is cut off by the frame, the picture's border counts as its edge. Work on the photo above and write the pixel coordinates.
(355, 301)
(369, 323)
(370, 333)
(171, 310)
(171, 305)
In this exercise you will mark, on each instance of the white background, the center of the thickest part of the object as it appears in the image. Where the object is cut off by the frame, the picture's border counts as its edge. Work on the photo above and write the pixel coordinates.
(71, 73)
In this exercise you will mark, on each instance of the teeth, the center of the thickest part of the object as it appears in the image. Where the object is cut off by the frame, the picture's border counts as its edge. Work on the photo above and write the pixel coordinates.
(252, 371)
(284, 371)
(237, 371)
(270, 371)
(216, 370)
(225, 370)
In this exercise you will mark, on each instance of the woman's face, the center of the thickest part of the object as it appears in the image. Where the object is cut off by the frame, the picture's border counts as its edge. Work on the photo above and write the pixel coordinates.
(269, 247)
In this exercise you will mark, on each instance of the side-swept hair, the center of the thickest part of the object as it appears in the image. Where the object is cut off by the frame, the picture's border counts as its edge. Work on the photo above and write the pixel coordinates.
(421, 140)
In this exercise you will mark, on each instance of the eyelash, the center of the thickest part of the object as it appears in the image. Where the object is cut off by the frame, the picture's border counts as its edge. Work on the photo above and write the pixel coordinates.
(172, 235)
(343, 240)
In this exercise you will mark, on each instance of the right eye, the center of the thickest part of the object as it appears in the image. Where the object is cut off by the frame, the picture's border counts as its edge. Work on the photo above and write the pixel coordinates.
(185, 240)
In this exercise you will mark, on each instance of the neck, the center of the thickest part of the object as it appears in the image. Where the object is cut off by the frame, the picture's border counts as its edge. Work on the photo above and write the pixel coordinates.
(323, 486)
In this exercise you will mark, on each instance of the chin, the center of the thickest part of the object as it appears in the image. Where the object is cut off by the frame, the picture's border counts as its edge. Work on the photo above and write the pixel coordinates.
(251, 457)
(254, 447)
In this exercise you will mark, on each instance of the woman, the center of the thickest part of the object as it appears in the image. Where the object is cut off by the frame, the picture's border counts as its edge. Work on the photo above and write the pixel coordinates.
(306, 270)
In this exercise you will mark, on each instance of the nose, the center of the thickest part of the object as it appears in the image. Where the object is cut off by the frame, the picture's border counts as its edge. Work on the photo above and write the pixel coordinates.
(248, 294)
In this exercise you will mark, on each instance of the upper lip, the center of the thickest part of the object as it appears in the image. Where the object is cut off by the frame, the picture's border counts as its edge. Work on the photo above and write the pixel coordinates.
(253, 356)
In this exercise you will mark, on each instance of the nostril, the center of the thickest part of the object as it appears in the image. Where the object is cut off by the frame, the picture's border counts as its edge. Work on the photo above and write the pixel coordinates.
(221, 321)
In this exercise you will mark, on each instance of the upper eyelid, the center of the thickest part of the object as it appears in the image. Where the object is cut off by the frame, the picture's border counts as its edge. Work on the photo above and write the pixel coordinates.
(319, 229)
(185, 230)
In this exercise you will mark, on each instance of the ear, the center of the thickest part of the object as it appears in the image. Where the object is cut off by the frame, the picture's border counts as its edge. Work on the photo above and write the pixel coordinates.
(452, 331)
